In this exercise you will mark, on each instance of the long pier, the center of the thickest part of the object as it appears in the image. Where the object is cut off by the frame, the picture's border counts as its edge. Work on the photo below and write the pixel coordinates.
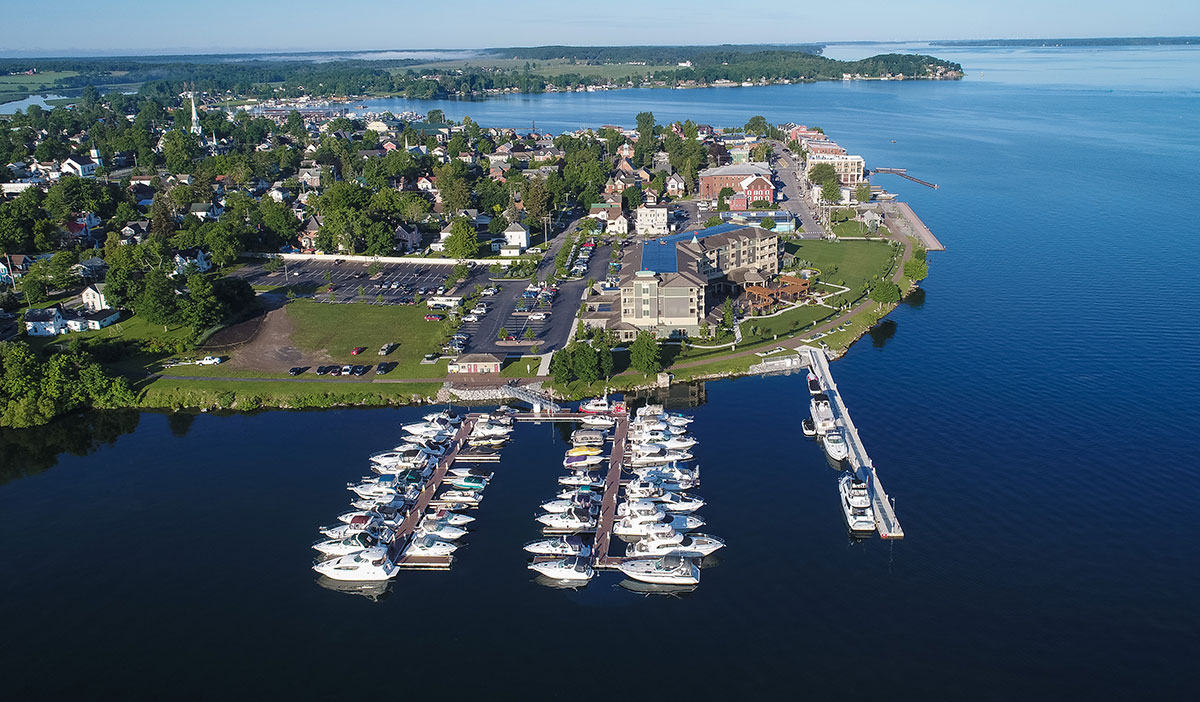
(886, 522)
(903, 173)
(608, 504)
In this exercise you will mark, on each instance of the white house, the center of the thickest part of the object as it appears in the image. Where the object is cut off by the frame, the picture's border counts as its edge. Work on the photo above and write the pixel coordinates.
(652, 220)
(517, 235)
(45, 322)
(407, 239)
(93, 297)
(81, 166)
(617, 225)
(194, 259)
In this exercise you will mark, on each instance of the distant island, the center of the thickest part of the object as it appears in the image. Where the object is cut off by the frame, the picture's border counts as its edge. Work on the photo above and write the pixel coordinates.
(1077, 41)
(492, 71)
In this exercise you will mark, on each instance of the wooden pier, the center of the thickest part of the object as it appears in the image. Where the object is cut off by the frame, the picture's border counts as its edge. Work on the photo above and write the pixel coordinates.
(885, 516)
(608, 504)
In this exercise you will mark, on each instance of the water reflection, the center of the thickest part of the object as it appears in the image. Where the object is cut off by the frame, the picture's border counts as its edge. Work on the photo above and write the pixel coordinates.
(881, 333)
(656, 588)
(28, 452)
(916, 298)
(180, 423)
(679, 396)
(374, 591)
(546, 581)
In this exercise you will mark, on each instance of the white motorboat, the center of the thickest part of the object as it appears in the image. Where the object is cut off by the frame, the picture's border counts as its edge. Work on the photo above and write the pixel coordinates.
(570, 545)
(461, 497)
(361, 517)
(445, 415)
(596, 405)
(658, 413)
(574, 520)
(353, 544)
(423, 466)
(580, 500)
(429, 545)
(429, 430)
(462, 472)
(451, 518)
(654, 479)
(487, 429)
(568, 492)
(686, 545)
(669, 472)
(582, 461)
(597, 421)
(588, 437)
(814, 384)
(670, 501)
(856, 504)
(397, 503)
(640, 508)
(666, 440)
(809, 427)
(822, 414)
(835, 445)
(634, 527)
(488, 441)
(440, 530)
(667, 570)
(370, 564)
(656, 455)
(356, 525)
(582, 480)
(573, 568)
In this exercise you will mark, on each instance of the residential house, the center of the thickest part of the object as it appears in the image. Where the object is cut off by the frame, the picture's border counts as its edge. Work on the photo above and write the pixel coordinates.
(204, 211)
(135, 232)
(652, 220)
(188, 260)
(618, 224)
(45, 322)
(476, 363)
(93, 297)
(14, 266)
(516, 235)
(407, 239)
(676, 185)
(308, 233)
(311, 177)
(83, 320)
(82, 166)
(90, 268)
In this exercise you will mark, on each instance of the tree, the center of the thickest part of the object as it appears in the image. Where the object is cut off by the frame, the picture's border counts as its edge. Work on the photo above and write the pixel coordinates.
(222, 244)
(916, 269)
(202, 308)
(503, 332)
(463, 242)
(886, 292)
(435, 115)
(179, 150)
(727, 319)
(757, 125)
(560, 366)
(413, 207)
(831, 191)
(585, 364)
(536, 198)
(272, 264)
(157, 302)
(645, 126)
(767, 223)
(863, 193)
(761, 152)
(713, 221)
(604, 357)
(644, 353)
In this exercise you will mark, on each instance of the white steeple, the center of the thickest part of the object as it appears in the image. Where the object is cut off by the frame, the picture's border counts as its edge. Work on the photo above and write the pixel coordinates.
(196, 128)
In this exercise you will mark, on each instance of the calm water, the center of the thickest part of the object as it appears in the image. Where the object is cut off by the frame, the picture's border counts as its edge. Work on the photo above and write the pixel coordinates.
(1032, 413)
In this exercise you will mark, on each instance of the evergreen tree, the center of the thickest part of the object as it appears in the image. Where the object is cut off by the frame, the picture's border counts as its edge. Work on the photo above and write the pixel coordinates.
(644, 353)
(585, 364)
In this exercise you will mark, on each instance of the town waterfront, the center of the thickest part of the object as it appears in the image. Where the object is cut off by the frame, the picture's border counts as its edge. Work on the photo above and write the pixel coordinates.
(1030, 410)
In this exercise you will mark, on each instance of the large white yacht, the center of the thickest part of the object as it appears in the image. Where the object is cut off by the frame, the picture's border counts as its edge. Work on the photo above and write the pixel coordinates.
(574, 520)
(822, 413)
(429, 545)
(676, 544)
(370, 564)
(856, 504)
(570, 545)
(667, 570)
(570, 568)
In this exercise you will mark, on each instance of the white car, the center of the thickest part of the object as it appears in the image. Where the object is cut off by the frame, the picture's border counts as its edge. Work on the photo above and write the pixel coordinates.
(479, 309)
(537, 316)
(488, 292)
(209, 361)
(470, 318)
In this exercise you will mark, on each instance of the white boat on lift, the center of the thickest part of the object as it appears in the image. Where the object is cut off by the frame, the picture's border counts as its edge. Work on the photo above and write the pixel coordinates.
(666, 570)
(686, 545)
(572, 568)
(574, 520)
(370, 564)
(822, 414)
(570, 545)
(835, 445)
(856, 504)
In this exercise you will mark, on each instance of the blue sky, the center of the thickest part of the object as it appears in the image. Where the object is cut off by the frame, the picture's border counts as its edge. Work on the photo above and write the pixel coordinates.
(128, 27)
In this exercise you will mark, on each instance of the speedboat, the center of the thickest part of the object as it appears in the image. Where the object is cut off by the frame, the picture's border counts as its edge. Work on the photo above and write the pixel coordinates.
(664, 439)
(355, 525)
(856, 504)
(352, 544)
(428, 430)
(487, 429)
(397, 503)
(597, 420)
(569, 492)
(469, 482)
(668, 484)
(582, 461)
(670, 501)
(835, 446)
(462, 497)
(596, 405)
(814, 384)
(570, 568)
(687, 545)
(451, 518)
(667, 570)
(657, 454)
(670, 472)
(582, 479)
(371, 564)
(488, 441)
(581, 500)
(585, 451)
(822, 413)
(587, 437)
(570, 545)
(463, 472)
(445, 415)
(641, 528)
(809, 427)
(440, 530)
(574, 520)
(429, 545)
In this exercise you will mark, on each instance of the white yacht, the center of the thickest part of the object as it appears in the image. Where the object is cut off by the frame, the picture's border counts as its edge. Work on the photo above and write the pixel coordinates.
(667, 570)
(573, 568)
(657, 454)
(856, 504)
(440, 530)
(641, 528)
(352, 544)
(687, 545)
(580, 500)
(487, 429)
(461, 497)
(357, 525)
(463, 472)
(656, 480)
(371, 564)
(582, 479)
(822, 414)
(668, 472)
(835, 446)
(451, 518)
(596, 405)
(588, 437)
(429, 545)
(570, 545)
(670, 501)
(445, 415)
(582, 461)
(574, 520)
(598, 421)
(568, 492)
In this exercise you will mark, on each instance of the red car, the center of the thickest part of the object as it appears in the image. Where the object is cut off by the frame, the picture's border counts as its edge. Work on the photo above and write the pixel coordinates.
(434, 317)
(510, 337)
(357, 350)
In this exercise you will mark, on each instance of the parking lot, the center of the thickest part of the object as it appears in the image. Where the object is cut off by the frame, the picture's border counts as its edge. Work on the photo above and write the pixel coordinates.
(395, 283)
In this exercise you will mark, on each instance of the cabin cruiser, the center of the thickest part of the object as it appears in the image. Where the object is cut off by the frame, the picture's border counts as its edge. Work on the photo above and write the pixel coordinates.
(445, 415)
(659, 414)
(669, 472)
(573, 520)
(487, 441)
(667, 441)
(463, 471)
(425, 466)
(835, 446)
(570, 545)
(362, 522)
(687, 545)
(359, 515)
(588, 437)
(856, 504)
(814, 384)
(636, 527)
(468, 482)
(440, 530)
(598, 421)
(429, 429)
(568, 492)
(809, 427)
(582, 479)
(596, 405)
(575, 462)
(369, 564)
(396, 503)
(822, 413)
(644, 425)
(670, 501)
(658, 480)
(461, 497)
(353, 544)
(657, 454)
(644, 510)
(451, 518)
(487, 429)
(570, 568)
(585, 451)
(579, 500)
(429, 545)
(667, 570)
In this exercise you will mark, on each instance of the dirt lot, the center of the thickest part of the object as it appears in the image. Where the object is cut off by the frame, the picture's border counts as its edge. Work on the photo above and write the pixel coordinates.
(262, 343)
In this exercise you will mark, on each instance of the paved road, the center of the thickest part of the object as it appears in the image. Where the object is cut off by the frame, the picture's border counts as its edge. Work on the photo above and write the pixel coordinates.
(794, 202)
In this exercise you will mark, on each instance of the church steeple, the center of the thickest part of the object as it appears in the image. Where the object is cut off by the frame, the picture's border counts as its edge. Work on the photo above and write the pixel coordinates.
(196, 128)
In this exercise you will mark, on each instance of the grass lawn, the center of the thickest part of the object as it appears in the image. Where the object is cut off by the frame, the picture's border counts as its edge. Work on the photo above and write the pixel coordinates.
(17, 87)
(335, 329)
(523, 367)
(178, 394)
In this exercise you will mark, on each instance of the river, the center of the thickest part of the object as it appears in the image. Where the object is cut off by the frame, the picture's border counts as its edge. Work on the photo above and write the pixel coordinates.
(1030, 411)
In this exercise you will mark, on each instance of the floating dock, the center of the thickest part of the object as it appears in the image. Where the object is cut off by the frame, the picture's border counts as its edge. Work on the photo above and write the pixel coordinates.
(608, 504)
(885, 516)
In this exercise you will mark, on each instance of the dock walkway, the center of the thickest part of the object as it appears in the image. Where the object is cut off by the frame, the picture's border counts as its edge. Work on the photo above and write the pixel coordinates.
(885, 516)
(608, 504)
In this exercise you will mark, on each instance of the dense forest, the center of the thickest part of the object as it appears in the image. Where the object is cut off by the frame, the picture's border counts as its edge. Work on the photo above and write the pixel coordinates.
(657, 55)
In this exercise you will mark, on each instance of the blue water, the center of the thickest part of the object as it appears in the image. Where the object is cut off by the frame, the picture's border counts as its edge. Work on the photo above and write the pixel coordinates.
(1032, 414)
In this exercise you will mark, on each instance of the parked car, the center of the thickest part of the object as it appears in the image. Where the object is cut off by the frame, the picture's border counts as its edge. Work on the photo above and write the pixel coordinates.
(434, 317)
(360, 370)
(335, 370)
(322, 370)
(347, 369)
(510, 337)
(432, 357)
(471, 318)
(384, 368)
(387, 348)
(441, 290)
(357, 350)
(537, 316)
(479, 309)
(488, 292)
(296, 370)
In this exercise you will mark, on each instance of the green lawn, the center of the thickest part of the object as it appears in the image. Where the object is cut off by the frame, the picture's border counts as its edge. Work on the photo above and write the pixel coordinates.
(17, 87)
(335, 329)
(178, 394)
(848, 263)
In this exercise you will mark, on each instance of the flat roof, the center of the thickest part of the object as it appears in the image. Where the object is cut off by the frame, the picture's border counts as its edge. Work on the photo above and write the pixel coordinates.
(659, 255)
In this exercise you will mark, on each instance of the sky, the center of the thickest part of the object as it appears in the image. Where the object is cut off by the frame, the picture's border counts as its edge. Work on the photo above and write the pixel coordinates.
(135, 27)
